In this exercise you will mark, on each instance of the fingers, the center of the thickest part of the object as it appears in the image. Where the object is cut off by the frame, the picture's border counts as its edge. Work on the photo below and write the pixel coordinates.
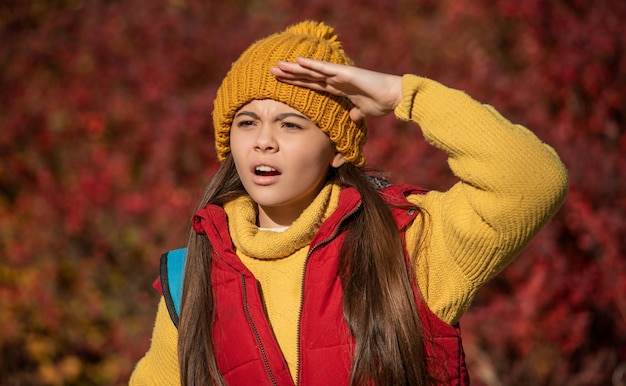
(310, 67)
(303, 69)
(310, 73)
(356, 114)
(319, 66)
(313, 85)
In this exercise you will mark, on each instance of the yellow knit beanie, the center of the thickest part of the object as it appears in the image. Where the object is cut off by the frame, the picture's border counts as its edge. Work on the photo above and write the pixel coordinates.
(249, 78)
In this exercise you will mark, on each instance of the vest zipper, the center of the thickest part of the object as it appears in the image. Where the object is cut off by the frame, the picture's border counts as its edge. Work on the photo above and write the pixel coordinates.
(256, 333)
(306, 261)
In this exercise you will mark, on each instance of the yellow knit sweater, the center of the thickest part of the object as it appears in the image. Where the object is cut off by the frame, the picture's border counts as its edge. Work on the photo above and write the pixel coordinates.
(510, 185)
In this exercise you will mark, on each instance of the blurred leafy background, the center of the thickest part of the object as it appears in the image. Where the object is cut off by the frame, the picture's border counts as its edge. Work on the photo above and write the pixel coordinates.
(106, 144)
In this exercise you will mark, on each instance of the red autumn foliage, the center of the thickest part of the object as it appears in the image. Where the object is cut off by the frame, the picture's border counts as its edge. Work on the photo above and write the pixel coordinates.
(106, 144)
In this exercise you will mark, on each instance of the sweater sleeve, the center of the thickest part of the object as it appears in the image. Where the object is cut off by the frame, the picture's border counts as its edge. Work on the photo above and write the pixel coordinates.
(160, 364)
(510, 185)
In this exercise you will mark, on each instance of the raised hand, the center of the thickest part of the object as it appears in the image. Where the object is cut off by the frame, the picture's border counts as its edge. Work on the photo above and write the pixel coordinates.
(373, 93)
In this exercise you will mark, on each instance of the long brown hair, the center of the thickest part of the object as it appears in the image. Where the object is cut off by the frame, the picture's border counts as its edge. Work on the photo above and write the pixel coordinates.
(378, 302)
(195, 340)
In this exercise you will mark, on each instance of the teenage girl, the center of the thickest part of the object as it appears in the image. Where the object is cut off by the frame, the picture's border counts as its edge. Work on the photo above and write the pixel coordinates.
(301, 268)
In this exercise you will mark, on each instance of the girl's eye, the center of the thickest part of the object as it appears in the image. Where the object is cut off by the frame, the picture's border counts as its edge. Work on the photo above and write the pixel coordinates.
(291, 126)
(245, 123)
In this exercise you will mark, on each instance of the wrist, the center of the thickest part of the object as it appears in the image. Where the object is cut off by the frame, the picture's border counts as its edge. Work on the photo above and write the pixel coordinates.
(395, 91)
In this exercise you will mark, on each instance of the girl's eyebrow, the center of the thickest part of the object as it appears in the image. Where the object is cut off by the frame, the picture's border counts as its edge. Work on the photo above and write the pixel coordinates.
(283, 116)
(248, 113)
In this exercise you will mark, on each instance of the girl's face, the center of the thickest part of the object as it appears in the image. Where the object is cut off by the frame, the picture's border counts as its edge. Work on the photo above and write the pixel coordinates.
(282, 159)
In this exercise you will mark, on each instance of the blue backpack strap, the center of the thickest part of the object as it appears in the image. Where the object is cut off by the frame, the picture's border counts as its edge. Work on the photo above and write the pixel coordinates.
(172, 275)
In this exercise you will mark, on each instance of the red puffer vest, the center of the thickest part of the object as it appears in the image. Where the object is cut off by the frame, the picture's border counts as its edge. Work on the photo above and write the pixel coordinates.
(247, 352)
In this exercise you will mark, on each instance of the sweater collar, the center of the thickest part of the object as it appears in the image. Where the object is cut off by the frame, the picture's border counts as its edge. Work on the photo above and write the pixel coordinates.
(263, 244)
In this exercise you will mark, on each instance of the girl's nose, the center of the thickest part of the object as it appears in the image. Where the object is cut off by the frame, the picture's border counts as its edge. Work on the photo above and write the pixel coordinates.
(265, 140)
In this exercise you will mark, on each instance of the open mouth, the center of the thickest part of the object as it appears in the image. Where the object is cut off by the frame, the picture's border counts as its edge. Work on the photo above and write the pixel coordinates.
(265, 171)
